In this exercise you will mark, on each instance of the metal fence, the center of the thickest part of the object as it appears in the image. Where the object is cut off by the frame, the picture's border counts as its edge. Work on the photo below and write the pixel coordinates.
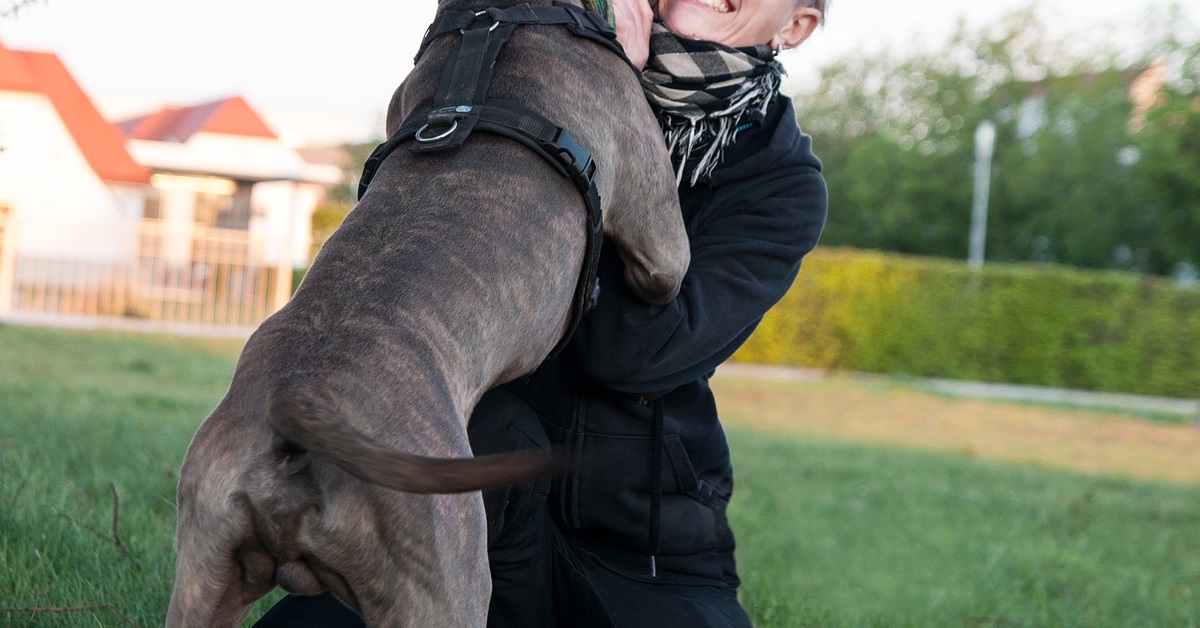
(145, 270)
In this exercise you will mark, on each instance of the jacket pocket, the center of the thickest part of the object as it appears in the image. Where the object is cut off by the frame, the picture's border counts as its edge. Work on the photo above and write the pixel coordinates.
(613, 491)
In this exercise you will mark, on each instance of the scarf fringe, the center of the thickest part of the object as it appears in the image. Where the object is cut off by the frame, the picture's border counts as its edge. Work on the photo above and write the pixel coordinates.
(713, 132)
(703, 94)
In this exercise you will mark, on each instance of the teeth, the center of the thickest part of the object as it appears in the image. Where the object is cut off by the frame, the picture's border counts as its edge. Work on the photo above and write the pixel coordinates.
(718, 5)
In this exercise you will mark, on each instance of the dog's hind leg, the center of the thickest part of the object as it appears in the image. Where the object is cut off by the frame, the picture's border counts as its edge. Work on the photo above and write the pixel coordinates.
(217, 576)
(221, 566)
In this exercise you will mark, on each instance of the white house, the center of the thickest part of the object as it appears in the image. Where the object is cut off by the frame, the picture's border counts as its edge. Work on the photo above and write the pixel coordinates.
(161, 217)
(59, 160)
(218, 164)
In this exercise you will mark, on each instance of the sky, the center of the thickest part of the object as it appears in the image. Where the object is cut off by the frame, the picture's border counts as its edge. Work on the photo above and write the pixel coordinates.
(323, 71)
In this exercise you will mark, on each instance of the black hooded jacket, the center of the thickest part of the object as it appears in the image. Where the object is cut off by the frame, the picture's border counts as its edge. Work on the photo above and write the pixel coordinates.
(630, 396)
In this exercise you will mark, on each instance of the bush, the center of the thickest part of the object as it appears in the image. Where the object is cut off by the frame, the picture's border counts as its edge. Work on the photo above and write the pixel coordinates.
(326, 219)
(1040, 325)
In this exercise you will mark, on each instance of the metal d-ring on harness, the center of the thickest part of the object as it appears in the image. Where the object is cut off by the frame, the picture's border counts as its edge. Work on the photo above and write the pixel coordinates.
(461, 106)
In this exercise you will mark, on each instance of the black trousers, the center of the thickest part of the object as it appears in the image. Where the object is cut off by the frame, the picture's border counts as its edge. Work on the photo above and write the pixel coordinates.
(538, 581)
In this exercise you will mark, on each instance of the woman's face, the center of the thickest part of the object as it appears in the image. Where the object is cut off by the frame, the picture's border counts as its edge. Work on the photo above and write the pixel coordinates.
(739, 23)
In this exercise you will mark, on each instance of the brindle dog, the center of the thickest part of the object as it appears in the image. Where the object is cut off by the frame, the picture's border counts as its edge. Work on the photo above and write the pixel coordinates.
(338, 459)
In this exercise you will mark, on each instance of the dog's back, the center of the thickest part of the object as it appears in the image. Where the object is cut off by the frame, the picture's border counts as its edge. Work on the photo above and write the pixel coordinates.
(455, 272)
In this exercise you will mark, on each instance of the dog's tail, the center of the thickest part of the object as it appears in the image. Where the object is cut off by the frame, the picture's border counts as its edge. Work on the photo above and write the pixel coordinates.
(312, 425)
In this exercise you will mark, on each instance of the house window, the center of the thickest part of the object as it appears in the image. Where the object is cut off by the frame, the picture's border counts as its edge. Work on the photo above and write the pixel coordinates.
(223, 210)
(209, 201)
(238, 215)
(211, 207)
(152, 205)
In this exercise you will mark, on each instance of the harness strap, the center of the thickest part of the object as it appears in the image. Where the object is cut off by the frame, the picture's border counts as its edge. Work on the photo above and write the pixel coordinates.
(460, 106)
(579, 22)
(466, 80)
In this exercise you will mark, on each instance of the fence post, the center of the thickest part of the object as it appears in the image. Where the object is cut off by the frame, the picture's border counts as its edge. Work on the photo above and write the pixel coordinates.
(283, 270)
(283, 284)
(8, 258)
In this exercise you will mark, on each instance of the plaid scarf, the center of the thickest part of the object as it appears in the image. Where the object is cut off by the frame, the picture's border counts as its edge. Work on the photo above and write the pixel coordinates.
(705, 93)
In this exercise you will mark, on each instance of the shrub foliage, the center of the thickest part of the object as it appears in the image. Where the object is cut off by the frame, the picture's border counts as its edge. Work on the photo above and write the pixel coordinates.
(1022, 324)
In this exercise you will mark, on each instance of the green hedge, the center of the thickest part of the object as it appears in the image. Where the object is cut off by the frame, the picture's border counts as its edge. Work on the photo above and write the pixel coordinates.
(1041, 325)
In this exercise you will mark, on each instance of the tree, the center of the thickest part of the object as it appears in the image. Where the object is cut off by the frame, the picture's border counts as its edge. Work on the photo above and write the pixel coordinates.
(10, 8)
(1168, 148)
(341, 198)
(1073, 180)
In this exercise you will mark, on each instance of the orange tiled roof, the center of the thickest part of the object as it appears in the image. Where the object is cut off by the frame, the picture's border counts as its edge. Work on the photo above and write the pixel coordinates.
(100, 142)
(232, 116)
(15, 75)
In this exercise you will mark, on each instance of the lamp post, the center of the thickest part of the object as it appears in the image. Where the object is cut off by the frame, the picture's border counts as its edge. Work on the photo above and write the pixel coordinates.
(985, 143)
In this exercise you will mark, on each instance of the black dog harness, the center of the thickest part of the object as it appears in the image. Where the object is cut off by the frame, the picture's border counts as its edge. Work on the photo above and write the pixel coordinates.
(461, 106)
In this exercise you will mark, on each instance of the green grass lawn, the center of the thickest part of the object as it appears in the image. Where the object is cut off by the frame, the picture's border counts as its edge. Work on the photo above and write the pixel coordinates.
(829, 534)
(844, 535)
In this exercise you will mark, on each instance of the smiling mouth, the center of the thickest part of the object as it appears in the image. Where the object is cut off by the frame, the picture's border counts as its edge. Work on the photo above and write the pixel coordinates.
(720, 6)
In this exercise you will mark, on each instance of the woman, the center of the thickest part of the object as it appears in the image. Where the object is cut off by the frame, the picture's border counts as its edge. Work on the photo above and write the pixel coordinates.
(639, 536)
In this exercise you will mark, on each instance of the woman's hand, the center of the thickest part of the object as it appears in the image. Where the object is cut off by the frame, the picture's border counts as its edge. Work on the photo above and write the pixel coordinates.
(633, 19)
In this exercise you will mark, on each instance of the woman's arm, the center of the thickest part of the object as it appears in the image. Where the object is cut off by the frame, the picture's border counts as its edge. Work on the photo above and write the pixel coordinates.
(745, 257)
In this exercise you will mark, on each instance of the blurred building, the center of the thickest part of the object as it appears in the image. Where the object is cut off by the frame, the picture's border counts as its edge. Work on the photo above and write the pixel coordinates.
(195, 214)
(217, 164)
